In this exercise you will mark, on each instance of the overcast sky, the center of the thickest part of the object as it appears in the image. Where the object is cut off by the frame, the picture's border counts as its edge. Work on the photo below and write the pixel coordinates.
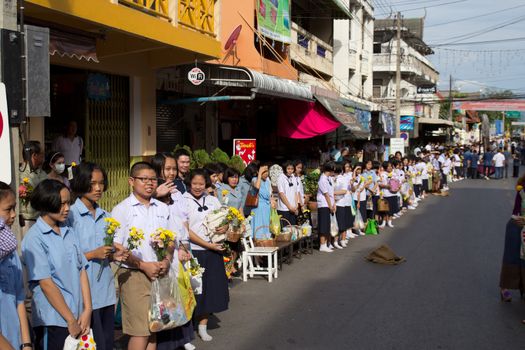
(471, 71)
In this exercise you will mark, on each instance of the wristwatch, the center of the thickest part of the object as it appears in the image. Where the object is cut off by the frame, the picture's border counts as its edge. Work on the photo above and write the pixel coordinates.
(26, 345)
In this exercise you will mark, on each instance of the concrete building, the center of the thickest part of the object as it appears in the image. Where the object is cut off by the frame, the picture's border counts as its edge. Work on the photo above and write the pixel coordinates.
(416, 71)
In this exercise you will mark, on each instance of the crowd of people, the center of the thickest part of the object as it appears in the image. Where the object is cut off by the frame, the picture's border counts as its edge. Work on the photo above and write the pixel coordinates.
(65, 255)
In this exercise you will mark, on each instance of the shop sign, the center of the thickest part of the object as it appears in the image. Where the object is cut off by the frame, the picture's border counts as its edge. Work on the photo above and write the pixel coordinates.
(196, 76)
(5, 144)
(427, 89)
(246, 149)
(397, 145)
(406, 122)
(513, 114)
(273, 19)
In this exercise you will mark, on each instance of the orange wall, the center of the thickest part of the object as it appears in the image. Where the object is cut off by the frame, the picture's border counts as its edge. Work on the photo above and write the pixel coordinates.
(232, 14)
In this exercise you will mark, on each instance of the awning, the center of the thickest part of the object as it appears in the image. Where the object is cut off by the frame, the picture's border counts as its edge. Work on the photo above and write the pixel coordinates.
(73, 46)
(303, 120)
(435, 121)
(356, 102)
(340, 113)
(270, 85)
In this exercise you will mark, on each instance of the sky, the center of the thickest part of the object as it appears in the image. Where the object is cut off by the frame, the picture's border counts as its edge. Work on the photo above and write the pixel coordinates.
(478, 67)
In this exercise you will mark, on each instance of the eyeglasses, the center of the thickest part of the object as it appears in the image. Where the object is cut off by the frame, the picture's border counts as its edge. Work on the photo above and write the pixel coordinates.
(144, 180)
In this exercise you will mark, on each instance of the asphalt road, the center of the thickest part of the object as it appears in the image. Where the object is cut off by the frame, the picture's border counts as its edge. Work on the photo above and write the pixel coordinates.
(445, 296)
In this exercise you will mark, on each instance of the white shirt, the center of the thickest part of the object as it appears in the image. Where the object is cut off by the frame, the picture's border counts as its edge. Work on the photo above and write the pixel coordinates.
(384, 180)
(421, 168)
(178, 205)
(447, 164)
(131, 213)
(195, 218)
(360, 190)
(288, 186)
(70, 149)
(300, 189)
(457, 160)
(341, 184)
(326, 185)
(499, 160)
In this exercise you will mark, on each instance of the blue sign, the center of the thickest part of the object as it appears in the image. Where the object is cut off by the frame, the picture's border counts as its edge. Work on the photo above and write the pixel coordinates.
(98, 87)
(406, 123)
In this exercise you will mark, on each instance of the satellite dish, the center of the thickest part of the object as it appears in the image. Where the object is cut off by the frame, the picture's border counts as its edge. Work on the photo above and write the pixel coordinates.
(232, 40)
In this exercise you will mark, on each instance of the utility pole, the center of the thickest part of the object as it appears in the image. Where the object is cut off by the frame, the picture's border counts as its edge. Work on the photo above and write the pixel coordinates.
(450, 98)
(398, 76)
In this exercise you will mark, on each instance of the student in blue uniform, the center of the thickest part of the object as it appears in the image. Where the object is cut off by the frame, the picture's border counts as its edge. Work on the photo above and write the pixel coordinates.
(61, 304)
(87, 219)
(14, 329)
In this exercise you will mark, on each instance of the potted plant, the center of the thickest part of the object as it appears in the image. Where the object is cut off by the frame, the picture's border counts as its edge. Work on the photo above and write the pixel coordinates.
(310, 184)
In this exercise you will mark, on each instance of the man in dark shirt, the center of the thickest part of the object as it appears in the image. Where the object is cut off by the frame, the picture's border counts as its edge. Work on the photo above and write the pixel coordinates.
(467, 157)
(183, 168)
(474, 159)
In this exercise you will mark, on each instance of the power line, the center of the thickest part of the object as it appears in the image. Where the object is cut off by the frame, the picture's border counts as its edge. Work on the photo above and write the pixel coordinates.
(473, 17)
(481, 42)
(480, 51)
(425, 7)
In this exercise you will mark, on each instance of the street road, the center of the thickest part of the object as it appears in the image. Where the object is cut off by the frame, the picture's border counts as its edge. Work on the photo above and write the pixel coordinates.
(445, 296)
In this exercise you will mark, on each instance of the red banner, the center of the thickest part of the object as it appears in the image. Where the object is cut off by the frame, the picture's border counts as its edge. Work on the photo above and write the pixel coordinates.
(246, 149)
(491, 105)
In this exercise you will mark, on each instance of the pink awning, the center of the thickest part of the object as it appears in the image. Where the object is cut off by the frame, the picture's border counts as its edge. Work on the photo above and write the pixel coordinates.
(303, 120)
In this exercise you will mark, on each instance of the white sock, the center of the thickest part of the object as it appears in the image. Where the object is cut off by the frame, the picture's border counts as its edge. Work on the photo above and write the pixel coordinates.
(203, 333)
(189, 346)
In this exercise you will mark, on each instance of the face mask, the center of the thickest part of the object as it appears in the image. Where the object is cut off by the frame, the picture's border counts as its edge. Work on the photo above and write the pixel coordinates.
(59, 168)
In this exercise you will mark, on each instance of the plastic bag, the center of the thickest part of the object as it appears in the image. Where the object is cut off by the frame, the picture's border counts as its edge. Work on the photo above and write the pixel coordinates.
(166, 308)
(352, 207)
(275, 222)
(186, 292)
(358, 221)
(334, 228)
(86, 342)
(212, 221)
(371, 227)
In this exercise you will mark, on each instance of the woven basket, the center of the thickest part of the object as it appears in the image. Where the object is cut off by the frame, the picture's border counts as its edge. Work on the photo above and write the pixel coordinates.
(284, 237)
(383, 206)
(263, 242)
(234, 235)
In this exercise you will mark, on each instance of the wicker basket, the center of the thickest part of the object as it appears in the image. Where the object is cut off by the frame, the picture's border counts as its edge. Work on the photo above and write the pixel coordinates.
(263, 242)
(284, 237)
(234, 235)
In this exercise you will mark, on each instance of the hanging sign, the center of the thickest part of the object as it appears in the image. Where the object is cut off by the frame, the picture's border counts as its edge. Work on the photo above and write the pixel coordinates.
(397, 145)
(196, 76)
(427, 89)
(246, 149)
(5, 144)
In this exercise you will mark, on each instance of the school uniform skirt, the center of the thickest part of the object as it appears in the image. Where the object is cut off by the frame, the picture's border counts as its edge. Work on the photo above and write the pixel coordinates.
(362, 209)
(393, 204)
(215, 295)
(512, 274)
(373, 212)
(323, 221)
(425, 185)
(342, 218)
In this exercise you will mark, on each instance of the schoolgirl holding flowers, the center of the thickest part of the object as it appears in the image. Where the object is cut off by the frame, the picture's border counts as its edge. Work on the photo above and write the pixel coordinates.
(95, 229)
(56, 274)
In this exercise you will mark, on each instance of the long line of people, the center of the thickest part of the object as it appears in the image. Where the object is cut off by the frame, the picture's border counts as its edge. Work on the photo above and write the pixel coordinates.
(72, 286)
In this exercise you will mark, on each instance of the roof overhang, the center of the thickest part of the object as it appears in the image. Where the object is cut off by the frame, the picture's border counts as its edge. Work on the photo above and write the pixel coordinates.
(436, 122)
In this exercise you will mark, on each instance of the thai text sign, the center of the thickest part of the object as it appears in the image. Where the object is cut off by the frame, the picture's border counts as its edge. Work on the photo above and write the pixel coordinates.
(246, 149)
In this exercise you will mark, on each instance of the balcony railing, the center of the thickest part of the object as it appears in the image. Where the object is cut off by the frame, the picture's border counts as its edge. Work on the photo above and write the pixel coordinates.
(157, 8)
(309, 50)
(409, 64)
(198, 15)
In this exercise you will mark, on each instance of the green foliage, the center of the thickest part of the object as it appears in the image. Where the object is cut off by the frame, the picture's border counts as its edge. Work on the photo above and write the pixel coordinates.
(201, 158)
(219, 156)
(236, 162)
(311, 183)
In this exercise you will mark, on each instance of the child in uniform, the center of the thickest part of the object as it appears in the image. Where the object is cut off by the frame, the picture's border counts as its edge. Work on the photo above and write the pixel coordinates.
(288, 203)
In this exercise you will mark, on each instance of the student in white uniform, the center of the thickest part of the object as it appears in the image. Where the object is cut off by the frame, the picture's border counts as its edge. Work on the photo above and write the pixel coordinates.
(349, 199)
(359, 194)
(288, 202)
(198, 204)
(298, 178)
(340, 190)
(325, 205)
(384, 184)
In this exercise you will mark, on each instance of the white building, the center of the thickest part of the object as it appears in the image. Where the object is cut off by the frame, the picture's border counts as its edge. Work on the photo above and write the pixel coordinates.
(353, 47)
(416, 70)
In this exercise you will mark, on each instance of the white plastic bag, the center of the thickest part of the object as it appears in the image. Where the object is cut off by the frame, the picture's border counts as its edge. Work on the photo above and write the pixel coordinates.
(166, 308)
(86, 342)
(358, 221)
(334, 228)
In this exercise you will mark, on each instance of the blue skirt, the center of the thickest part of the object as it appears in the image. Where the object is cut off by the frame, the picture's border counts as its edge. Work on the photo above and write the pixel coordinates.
(215, 295)
(175, 338)
(512, 274)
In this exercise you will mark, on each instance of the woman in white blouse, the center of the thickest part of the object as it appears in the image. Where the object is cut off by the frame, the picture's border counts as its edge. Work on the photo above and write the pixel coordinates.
(199, 204)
